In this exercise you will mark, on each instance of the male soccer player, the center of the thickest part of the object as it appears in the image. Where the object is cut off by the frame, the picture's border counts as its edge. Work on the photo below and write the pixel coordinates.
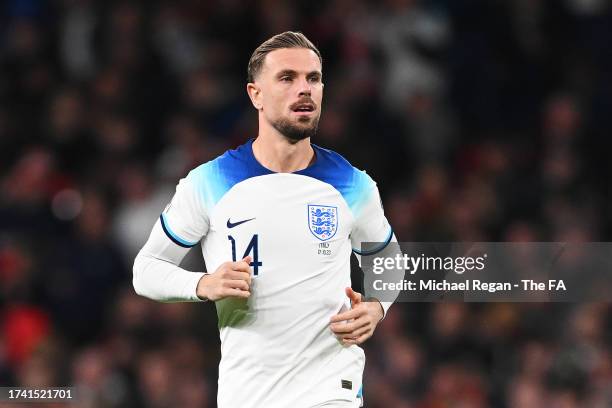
(277, 219)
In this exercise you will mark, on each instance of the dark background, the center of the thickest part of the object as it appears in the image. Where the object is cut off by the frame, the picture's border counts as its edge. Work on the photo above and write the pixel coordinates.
(480, 121)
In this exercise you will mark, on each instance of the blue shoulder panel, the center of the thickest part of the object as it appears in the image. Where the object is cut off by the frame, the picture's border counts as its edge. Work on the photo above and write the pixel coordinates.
(214, 178)
(354, 185)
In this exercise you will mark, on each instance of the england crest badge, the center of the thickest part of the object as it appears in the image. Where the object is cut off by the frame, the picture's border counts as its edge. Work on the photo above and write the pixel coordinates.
(323, 221)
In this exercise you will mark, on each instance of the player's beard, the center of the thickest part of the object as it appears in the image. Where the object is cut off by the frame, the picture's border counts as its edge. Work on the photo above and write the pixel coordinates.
(294, 133)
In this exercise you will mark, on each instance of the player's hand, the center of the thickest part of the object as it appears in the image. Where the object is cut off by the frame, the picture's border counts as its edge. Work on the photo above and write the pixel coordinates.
(231, 279)
(356, 325)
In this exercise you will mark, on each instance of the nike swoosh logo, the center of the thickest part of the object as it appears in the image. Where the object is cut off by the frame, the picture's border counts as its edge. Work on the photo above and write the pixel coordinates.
(235, 224)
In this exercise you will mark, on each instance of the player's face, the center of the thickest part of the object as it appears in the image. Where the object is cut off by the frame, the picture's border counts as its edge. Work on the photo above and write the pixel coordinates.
(291, 89)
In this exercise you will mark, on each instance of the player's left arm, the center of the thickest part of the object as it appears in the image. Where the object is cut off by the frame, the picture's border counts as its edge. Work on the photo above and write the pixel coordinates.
(358, 324)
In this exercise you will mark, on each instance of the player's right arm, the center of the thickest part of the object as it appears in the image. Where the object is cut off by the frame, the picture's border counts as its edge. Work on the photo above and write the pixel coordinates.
(182, 224)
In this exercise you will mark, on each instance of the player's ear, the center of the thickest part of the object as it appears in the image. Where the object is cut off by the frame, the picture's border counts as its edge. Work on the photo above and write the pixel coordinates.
(255, 94)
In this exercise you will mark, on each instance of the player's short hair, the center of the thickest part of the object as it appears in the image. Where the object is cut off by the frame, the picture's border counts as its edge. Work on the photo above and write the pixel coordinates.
(288, 39)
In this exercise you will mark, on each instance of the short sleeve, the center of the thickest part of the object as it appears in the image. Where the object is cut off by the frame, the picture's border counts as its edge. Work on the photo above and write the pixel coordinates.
(370, 222)
(185, 219)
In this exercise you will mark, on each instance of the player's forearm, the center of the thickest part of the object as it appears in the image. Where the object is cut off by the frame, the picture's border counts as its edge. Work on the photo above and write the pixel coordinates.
(394, 275)
(387, 298)
(157, 274)
(163, 281)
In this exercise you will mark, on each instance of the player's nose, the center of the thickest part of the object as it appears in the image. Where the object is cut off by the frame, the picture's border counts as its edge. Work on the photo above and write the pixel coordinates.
(304, 87)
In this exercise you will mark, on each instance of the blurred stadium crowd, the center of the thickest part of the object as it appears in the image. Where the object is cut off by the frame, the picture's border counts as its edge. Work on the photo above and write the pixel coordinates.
(480, 120)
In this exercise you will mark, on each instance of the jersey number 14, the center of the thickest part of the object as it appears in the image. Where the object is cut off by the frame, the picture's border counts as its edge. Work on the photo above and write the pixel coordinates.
(251, 247)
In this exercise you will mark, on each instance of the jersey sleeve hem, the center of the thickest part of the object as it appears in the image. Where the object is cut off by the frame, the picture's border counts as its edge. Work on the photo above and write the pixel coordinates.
(385, 306)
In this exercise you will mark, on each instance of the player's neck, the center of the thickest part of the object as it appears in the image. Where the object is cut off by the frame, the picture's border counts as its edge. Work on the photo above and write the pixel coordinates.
(279, 155)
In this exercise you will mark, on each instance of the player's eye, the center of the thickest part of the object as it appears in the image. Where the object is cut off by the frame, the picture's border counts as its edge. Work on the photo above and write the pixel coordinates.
(286, 78)
(314, 79)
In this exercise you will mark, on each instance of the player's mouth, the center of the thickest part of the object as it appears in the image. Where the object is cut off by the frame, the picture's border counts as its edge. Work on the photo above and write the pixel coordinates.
(303, 109)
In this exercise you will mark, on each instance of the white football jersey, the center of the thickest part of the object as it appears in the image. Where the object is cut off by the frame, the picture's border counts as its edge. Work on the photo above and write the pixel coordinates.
(299, 228)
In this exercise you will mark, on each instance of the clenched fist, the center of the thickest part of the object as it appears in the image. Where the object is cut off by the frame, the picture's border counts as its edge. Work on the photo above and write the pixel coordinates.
(358, 324)
(231, 279)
